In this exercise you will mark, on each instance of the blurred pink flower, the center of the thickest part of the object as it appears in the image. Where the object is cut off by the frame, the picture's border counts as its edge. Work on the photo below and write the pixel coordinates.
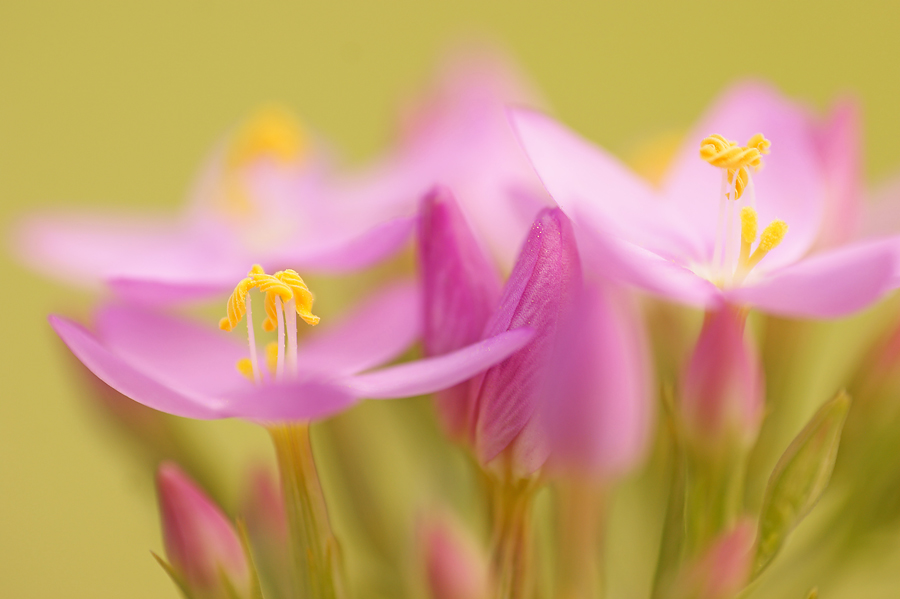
(239, 212)
(722, 396)
(179, 367)
(455, 566)
(201, 543)
(598, 405)
(665, 240)
(495, 414)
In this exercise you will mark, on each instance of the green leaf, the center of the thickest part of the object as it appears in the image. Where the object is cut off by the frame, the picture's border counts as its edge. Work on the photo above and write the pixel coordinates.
(799, 479)
(173, 575)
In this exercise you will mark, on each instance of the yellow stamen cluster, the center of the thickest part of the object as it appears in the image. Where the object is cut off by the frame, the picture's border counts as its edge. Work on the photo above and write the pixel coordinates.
(284, 284)
(271, 132)
(771, 236)
(734, 158)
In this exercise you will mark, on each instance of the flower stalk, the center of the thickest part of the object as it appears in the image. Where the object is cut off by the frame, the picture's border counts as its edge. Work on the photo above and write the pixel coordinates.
(512, 538)
(315, 552)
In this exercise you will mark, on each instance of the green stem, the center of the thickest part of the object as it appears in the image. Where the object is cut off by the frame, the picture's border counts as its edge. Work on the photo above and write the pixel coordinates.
(314, 549)
(512, 539)
(714, 497)
(580, 554)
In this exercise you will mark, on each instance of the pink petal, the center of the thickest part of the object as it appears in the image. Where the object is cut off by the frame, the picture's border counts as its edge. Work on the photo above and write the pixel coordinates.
(128, 380)
(790, 187)
(377, 330)
(598, 407)
(598, 191)
(433, 374)
(179, 353)
(460, 290)
(538, 294)
(827, 285)
(288, 401)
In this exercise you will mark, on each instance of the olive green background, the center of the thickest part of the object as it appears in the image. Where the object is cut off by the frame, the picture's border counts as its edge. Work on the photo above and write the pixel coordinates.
(115, 103)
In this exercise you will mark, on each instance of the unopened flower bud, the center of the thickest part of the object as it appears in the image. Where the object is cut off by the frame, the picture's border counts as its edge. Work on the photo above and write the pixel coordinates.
(201, 543)
(454, 565)
(722, 390)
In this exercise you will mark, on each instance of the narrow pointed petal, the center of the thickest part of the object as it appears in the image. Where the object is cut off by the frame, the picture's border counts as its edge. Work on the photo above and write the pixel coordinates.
(539, 292)
(376, 330)
(128, 380)
(597, 406)
(598, 191)
(839, 141)
(790, 186)
(180, 353)
(441, 372)
(349, 251)
(827, 285)
(460, 290)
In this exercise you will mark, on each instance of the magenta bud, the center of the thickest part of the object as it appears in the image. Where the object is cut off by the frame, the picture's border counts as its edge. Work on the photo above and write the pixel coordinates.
(722, 392)
(460, 290)
(454, 565)
(201, 544)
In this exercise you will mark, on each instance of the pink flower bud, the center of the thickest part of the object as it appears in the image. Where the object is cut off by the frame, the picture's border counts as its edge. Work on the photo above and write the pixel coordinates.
(723, 570)
(455, 567)
(722, 392)
(200, 541)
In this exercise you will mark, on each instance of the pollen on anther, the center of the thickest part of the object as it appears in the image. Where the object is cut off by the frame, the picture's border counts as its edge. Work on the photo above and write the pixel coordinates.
(245, 367)
(749, 224)
(772, 235)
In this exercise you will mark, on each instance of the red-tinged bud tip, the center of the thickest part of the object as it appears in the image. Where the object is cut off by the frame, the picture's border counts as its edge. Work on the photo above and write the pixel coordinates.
(723, 570)
(200, 541)
(722, 390)
(454, 565)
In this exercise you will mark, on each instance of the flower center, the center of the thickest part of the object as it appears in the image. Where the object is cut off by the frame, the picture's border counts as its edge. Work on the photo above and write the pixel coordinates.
(736, 163)
(285, 297)
(272, 133)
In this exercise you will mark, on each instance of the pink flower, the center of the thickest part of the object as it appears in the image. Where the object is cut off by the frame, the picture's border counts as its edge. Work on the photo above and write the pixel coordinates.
(201, 543)
(266, 194)
(684, 241)
(179, 367)
(497, 413)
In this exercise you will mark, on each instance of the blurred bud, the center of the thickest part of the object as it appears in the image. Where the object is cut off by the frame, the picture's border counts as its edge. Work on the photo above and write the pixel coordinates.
(597, 407)
(455, 566)
(460, 289)
(201, 544)
(722, 392)
(723, 570)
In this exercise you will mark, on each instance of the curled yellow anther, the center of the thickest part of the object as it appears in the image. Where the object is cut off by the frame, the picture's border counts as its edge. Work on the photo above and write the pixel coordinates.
(237, 303)
(272, 286)
(735, 159)
(759, 142)
(303, 298)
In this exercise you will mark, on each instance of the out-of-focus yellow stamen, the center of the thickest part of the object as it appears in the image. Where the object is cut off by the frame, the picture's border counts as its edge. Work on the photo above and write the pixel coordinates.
(749, 225)
(735, 159)
(272, 356)
(245, 367)
(771, 236)
(271, 132)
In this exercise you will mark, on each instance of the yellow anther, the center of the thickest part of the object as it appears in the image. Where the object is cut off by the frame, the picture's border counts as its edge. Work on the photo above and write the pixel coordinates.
(237, 305)
(272, 286)
(772, 235)
(739, 179)
(303, 298)
(749, 224)
(245, 367)
(272, 356)
(272, 132)
(759, 142)
(724, 153)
